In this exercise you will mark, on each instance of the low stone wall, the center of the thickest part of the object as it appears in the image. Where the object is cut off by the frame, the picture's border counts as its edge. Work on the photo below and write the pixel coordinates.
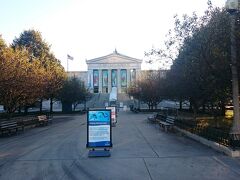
(226, 150)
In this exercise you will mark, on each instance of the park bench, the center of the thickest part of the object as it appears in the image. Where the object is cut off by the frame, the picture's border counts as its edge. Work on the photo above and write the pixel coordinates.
(135, 110)
(152, 118)
(43, 120)
(27, 121)
(30, 121)
(8, 126)
(160, 117)
(168, 123)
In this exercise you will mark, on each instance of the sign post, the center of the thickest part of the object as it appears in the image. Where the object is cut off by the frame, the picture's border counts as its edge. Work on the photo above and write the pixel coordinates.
(113, 115)
(99, 133)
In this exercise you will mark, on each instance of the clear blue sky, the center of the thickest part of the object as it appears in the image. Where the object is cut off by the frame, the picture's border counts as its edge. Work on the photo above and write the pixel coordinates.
(87, 29)
(19, 15)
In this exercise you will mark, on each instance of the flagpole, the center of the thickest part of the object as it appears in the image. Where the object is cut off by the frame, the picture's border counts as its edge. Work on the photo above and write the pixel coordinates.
(68, 57)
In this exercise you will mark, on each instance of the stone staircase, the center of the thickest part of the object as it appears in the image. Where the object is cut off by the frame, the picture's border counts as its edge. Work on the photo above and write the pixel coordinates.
(124, 98)
(91, 103)
(98, 101)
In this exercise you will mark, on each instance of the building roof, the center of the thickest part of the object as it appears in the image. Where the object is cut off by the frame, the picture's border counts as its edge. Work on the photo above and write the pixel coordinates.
(114, 57)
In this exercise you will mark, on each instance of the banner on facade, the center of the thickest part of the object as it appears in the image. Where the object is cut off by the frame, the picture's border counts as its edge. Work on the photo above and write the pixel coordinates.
(105, 78)
(113, 114)
(99, 128)
(114, 78)
(95, 78)
(123, 77)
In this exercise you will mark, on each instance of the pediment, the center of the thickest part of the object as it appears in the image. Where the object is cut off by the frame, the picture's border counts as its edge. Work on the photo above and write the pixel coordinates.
(114, 58)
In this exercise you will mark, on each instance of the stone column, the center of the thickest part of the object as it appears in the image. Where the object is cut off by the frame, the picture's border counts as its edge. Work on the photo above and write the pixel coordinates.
(100, 80)
(109, 80)
(90, 79)
(119, 81)
(128, 77)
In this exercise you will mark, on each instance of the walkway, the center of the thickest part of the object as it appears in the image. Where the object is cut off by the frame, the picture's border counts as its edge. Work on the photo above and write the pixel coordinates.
(140, 151)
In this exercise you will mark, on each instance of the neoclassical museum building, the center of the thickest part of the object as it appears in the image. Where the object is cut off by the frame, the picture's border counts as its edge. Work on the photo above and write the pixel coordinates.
(112, 70)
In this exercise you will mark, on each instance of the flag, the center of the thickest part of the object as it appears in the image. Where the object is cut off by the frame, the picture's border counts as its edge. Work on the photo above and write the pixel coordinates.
(69, 57)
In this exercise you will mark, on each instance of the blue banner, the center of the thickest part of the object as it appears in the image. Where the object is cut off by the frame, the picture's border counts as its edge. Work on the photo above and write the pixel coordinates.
(95, 78)
(114, 78)
(105, 78)
(123, 77)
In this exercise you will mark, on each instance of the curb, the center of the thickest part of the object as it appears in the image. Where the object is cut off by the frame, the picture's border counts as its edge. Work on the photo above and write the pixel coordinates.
(212, 144)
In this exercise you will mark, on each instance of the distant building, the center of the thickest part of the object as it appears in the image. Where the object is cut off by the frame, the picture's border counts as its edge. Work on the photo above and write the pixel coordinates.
(81, 75)
(113, 70)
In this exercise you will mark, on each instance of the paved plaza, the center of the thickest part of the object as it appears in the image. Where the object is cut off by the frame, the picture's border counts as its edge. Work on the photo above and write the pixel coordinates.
(140, 151)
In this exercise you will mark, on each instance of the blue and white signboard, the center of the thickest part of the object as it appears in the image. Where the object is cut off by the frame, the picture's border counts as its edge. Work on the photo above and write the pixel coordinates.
(113, 114)
(99, 129)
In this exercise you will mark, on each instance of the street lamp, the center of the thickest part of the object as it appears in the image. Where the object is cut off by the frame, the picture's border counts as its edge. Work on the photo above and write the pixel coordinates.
(232, 7)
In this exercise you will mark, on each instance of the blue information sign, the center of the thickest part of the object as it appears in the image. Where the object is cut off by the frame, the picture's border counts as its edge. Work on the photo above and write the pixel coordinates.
(99, 130)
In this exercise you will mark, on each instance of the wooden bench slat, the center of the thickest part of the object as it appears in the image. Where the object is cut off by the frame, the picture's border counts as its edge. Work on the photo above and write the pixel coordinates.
(20, 123)
(8, 126)
(167, 123)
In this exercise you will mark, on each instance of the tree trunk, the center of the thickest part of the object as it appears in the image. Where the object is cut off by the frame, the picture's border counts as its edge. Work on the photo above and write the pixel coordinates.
(85, 105)
(195, 112)
(235, 130)
(9, 115)
(180, 104)
(40, 106)
(195, 108)
(223, 108)
(25, 110)
(190, 106)
(51, 105)
(9, 111)
(149, 106)
(74, 106)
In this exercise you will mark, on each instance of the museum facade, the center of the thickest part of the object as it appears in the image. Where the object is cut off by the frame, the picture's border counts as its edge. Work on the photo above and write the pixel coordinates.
(113, 70)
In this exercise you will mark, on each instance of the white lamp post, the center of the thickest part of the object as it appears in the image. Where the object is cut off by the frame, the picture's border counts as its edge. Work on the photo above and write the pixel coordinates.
(232, 7)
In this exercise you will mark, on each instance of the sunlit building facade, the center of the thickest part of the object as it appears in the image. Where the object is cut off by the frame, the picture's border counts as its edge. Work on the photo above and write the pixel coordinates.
(113, 70)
